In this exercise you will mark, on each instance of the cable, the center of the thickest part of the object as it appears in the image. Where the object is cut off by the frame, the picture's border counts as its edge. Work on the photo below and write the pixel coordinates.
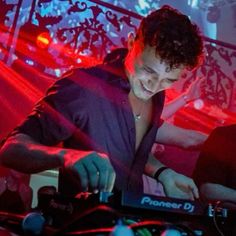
(216, 208)
(138, 228)
(90, 231)
(139, 232)
(163, 226)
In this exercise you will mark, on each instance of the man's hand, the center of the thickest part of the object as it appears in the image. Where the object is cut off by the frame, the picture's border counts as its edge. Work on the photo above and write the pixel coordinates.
(194, 90)
(91, 171)
(178, 186)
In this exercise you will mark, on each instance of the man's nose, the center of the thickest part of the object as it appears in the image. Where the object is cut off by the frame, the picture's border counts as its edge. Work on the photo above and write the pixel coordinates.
(153, 84)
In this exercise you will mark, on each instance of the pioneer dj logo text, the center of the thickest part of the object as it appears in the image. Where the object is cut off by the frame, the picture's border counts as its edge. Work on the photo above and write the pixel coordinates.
(186, 206)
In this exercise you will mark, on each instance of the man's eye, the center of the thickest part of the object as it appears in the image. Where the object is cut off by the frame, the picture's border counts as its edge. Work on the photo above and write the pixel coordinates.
(170, 80)
(149, 70)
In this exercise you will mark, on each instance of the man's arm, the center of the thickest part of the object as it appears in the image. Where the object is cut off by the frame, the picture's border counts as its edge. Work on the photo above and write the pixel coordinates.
(89, 169)
(192, 93)
(175, 185)
(172, 107)
(180, 137)
(212, 191)
(23, 154)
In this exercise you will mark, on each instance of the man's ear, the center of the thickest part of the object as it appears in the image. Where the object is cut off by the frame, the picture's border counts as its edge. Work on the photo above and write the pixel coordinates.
(131, 39)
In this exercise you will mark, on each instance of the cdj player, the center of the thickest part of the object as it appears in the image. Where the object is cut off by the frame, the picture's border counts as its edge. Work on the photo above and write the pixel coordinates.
(122, 214)
(97, 214)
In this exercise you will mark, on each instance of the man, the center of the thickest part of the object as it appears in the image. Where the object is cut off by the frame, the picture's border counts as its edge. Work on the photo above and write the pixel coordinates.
(215, 171)
(108, 117)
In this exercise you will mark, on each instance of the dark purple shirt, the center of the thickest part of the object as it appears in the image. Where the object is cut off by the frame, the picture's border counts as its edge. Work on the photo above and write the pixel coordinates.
(90, 110)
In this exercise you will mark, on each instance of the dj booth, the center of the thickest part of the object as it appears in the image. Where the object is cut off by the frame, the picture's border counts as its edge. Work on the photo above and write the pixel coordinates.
(120, 214)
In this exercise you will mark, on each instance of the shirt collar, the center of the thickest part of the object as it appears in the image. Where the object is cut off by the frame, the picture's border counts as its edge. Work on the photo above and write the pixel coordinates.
(114, 63)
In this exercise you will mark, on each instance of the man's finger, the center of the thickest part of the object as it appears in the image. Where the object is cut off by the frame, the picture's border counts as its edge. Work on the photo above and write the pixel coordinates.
(195, 191)
(111, 180)
(93, 175)
(105, 169)
(82, 176)
(103, 176)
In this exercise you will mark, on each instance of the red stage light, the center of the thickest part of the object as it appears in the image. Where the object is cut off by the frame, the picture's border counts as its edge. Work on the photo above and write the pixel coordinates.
(43, 40)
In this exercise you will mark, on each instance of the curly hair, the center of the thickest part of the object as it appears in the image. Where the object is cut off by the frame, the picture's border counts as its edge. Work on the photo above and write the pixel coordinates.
(177, 40)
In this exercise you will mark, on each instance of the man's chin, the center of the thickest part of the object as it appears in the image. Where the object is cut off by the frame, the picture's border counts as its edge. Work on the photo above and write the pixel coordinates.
(144, 97)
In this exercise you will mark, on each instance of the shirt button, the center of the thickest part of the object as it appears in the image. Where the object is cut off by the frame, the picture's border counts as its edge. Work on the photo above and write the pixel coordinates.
(132, 129)
(123, 102)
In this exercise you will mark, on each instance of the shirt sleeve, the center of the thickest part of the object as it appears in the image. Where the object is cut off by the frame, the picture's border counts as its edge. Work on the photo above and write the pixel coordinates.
(51, 120)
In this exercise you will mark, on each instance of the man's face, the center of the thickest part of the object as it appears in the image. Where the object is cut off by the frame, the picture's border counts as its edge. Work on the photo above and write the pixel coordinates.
(146, 72)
